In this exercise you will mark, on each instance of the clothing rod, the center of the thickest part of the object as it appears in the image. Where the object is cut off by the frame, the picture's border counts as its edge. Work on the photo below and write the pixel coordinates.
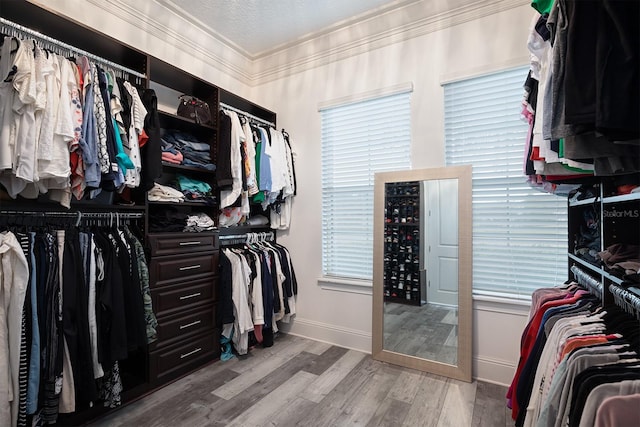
(583, 278)
(28, 31)
(114, 215)
(243, 236)
(251, 116)
(233, 236)
(266, 234)
(625, 299)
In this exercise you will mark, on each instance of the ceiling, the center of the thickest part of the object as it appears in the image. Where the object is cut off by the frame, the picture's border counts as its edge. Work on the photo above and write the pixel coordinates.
(257, 27)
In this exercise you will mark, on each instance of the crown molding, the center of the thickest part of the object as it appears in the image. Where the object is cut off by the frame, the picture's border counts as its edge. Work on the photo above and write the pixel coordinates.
(308, 55)
(358, 19)
(195, 21)
(238, 67)
(403, 21)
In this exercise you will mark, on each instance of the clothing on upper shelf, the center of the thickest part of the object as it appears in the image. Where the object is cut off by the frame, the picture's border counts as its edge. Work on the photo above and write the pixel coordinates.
(181, 148)
(80, 300)
(624, 258)
(258, 287)
(573, 356)
(587, 239)
(584, 59)
(69, 129)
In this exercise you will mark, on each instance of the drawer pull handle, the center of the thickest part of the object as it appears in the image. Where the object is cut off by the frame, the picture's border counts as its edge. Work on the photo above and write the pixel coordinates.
(189, 243)
(197, 294)
(189, 267)
(188, 325)
(182, 356)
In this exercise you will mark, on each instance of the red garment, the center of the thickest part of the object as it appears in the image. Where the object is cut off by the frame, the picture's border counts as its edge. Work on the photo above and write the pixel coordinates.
(528, 340)
(142, 138)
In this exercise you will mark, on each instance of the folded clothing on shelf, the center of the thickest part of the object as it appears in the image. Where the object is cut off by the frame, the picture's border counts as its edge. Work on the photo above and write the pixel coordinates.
(170, 157)
(167, 220)
(195, 153)
(195, 190)
(199, 222)
(163, 193)
(622, 257)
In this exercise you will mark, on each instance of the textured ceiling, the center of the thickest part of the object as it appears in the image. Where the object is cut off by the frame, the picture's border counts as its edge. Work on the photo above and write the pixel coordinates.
(259, 26)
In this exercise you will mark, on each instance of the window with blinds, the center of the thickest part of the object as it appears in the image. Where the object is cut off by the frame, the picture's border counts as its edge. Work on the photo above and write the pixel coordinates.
(519, 234)
(358, 140)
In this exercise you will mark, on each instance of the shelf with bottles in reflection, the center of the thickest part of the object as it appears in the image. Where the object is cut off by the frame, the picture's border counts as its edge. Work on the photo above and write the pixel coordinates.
(401, 272)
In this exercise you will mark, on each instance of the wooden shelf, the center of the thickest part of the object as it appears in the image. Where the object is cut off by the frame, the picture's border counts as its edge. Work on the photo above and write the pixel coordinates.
(200, 204)
(164, 115)
(588, 201)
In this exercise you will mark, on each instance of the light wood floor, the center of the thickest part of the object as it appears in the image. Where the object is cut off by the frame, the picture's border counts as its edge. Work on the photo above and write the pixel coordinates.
(309, 383)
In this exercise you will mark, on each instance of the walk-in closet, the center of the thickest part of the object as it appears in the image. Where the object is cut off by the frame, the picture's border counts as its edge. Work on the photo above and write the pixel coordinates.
(337, 213)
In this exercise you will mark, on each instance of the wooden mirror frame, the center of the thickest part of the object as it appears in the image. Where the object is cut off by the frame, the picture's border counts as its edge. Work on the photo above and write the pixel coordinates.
(462, 370)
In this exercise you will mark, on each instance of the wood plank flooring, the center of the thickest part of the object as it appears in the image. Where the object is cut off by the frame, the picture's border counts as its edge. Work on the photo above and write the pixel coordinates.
(300, 382)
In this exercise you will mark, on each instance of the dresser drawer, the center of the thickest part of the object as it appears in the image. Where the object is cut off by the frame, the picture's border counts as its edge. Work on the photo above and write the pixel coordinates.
(177, 297)
(185, 324)
(166, 270)
(182, 243)
(171, 362)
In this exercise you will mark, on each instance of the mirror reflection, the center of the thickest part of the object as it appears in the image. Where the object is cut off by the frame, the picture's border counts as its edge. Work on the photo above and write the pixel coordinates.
(422, 270)
(420, 273)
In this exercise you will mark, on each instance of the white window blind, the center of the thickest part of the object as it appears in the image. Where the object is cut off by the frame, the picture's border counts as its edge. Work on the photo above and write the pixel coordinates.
(358, 140)
(519, 234)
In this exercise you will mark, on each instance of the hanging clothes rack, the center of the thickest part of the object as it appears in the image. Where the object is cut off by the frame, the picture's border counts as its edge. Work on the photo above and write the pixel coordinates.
(16, 30)
(70, 218)
(124, 215)
(250, 116)
(583, 278)
(626, 299)
(236, 239)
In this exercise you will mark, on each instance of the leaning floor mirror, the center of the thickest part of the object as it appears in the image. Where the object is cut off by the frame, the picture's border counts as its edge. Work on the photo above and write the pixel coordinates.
(422, 270)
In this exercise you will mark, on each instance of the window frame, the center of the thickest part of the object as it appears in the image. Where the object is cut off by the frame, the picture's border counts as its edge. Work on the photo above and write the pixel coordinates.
(378, 101)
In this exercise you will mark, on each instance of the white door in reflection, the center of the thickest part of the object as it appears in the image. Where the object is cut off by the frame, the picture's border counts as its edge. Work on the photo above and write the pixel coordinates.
(441, 241)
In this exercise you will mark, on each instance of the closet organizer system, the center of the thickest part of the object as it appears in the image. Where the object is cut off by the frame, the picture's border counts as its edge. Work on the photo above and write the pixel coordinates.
(580, 351)
(121, 288)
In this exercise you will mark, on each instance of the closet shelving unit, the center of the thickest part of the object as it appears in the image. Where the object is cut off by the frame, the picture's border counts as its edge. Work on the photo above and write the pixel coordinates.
(183, 267)
(401, 274)
(260, 115)
(616, 218)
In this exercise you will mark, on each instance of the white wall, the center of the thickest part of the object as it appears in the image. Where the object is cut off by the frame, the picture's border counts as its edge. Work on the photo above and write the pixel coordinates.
(479, 46)
(438, 53)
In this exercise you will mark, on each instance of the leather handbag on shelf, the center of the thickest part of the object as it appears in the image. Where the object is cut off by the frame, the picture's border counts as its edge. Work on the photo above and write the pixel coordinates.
(195, 109)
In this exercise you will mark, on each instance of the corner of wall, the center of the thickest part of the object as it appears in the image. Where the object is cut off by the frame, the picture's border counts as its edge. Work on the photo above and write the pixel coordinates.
(319, 331)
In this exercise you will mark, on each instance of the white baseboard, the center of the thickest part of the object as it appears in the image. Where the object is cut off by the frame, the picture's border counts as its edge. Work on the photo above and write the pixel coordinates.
(486, 369)
(493, 371)
(343, 337)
